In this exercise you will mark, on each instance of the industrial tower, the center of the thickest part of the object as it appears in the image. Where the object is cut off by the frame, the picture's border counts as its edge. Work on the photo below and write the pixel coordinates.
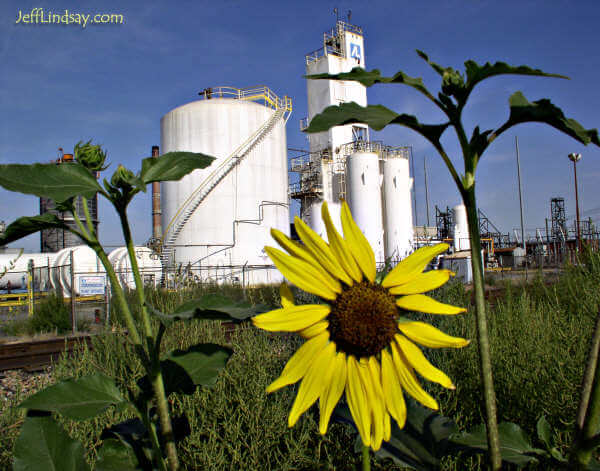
(343, 163)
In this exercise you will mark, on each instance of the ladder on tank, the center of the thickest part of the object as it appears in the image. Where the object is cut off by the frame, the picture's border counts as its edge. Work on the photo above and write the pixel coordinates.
(187, 209)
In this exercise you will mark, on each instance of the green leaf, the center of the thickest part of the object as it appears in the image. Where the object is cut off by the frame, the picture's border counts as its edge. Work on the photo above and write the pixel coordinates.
(136, 448)
(476, 73)
(543, 111)
(479, 141)
(211, 307)
(544, 432)
(116, 455)
(77, 399)
(515, 446)
(43, 445)
(370, 78)
(172, 166)
(420, 444)
(57, 182)
(25, 226)
(199, 365)
(376, 116)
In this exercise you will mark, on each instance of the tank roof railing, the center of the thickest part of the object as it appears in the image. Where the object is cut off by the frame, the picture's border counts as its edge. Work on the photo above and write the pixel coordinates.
(260, 94)
(333, 43)
(385, 152)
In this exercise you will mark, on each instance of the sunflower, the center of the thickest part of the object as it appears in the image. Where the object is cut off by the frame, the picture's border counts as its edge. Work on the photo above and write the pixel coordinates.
(358, 342)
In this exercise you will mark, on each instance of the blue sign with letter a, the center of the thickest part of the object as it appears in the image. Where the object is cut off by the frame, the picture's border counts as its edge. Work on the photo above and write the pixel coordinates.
(355, 51)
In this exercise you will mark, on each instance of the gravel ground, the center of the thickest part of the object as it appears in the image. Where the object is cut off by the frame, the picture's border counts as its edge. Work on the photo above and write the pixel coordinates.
(21, 383)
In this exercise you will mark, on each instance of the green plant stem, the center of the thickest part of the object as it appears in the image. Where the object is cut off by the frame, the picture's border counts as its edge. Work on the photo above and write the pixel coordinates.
(485, 362)
(588, 377)
(586, 440)
(93, 243)
(155, 375)
(154, 439)
(138, 280)
(366, 459)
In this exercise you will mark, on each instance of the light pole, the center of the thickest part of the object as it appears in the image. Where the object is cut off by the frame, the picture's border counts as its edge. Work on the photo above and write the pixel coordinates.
(576, 158)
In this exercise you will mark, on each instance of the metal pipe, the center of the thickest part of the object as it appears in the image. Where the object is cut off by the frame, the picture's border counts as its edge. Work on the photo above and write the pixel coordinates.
(426, 190)
(156, 211)
(577, 204)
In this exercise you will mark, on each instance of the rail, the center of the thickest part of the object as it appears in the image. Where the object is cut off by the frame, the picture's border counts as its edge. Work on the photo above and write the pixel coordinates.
(186, 210)
(260, 94)
(377, 147)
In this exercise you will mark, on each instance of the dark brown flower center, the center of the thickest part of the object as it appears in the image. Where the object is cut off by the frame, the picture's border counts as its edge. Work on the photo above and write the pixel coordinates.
(363, 319)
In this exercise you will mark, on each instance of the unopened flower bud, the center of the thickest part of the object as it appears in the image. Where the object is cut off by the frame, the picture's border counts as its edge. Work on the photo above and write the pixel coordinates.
(90, 156)
(122, 178)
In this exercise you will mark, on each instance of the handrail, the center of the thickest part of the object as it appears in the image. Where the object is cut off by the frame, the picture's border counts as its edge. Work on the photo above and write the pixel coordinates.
(261, 94)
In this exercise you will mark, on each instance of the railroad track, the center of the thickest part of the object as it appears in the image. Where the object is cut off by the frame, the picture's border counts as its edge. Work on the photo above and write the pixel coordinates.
(36, 354)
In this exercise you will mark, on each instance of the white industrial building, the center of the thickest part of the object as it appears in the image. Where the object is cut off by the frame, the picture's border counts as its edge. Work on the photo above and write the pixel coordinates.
(344, 164)
(216, 221)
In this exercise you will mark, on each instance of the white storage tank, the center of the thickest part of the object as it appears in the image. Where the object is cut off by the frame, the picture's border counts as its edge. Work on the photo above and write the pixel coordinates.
(314, 219)
(398, 219)
(461, 229)
(230, 227)
(364, 198)
(150, 267)
(17, 275)
(85, 264)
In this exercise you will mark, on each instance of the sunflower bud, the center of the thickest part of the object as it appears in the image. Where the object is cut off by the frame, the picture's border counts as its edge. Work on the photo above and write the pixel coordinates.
(90, 156)
(122, 178)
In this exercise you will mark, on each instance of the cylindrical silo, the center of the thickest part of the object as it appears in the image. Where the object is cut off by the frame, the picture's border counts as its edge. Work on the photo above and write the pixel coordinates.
(85, 263)
(364, 198)
(150, 267)
(17, 275)
(313, 217)
(461, 228)
(398, 221)
(231, 226)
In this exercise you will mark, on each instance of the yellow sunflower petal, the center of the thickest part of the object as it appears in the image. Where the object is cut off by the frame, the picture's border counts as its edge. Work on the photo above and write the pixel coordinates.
(430, 336)
(340, 247)
(357, 401)
(421, 364)
(298, 364)
(285, 293)
(423, 303)
(320, 250)
(358, 244)
(301, 252)
(394, 398)
(412, 265)
(295, 249)
(292, 319)
(409, 381)
(332, 392)
(372, 381)
(313, 382)
(423, 282)
(304, 275)
(387, 427)
(314, 329)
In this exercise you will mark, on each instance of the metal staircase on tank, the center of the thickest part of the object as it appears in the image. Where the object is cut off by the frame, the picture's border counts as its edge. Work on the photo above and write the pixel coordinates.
(185, 212)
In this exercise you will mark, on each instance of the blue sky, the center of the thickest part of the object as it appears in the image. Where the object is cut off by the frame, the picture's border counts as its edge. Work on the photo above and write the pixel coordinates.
(112, 83)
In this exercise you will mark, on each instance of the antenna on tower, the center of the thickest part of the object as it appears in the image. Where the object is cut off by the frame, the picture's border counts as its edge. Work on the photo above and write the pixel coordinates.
(349, 16)
(337, 16)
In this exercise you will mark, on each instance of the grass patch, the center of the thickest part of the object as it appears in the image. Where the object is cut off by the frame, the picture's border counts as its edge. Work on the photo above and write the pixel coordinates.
(539, 336)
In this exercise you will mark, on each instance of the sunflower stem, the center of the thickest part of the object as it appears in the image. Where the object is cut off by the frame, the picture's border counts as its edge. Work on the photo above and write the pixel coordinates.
(366, 459)
(485, 362)
(588, 419)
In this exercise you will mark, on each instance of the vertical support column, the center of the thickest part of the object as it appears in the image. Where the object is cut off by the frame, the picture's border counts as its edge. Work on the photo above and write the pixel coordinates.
(73, 315)
(156, 211)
